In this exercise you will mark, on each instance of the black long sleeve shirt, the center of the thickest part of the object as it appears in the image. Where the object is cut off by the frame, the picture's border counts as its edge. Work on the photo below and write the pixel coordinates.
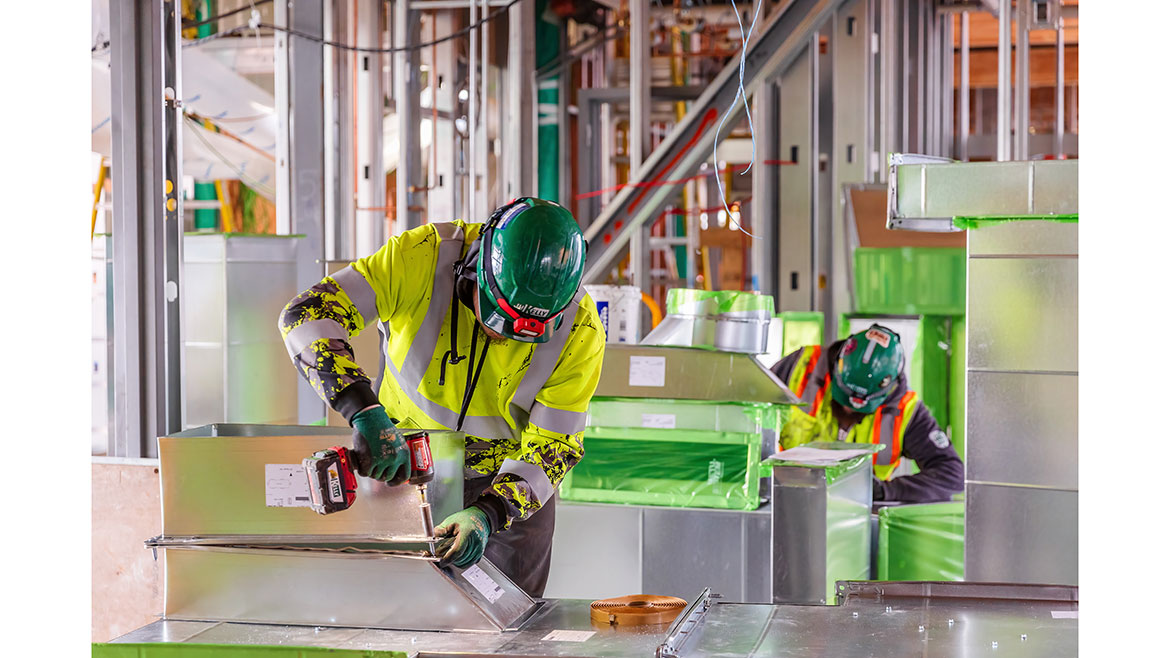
(940, 469)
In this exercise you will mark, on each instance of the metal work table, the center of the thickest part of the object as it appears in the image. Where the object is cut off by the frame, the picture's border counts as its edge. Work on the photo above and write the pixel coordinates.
(861, 627)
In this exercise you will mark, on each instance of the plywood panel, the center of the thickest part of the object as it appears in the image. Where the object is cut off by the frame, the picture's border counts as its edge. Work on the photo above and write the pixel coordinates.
(869, 211)
(1041, 67)
(127, 581)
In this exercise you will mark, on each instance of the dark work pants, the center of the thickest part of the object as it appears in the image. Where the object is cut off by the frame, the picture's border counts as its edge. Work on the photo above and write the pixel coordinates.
(523, 552)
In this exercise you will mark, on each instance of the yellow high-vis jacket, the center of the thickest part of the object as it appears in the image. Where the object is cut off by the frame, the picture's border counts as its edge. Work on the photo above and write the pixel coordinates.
(526, 416)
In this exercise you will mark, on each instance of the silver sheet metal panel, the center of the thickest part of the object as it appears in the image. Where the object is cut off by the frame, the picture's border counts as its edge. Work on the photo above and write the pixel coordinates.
(1039, 440)
(1022, 286)
(283, 586)
(234, 288)
(596, 552)
(919, 627)
(216, 486)
(636, 371)
(820, 529)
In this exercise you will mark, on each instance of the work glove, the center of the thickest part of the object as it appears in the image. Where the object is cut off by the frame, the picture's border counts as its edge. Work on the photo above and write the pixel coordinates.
(802, 428)
(466, 535)
(879, 492)
(381, 451)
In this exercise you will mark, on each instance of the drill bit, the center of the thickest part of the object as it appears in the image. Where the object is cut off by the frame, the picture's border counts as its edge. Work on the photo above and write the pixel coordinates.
(428, 522)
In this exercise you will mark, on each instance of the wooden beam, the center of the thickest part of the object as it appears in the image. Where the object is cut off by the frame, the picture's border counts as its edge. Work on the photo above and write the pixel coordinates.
(985, 32)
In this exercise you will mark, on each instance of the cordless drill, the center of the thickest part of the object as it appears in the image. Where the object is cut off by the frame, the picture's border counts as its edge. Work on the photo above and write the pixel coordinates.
(333, 483)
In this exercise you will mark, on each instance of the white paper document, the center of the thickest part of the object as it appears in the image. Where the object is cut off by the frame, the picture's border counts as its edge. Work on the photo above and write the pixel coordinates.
(648, 371)
(807, 455)
(286, 485)
(568, 636)
(1065, 614)
(484, 583)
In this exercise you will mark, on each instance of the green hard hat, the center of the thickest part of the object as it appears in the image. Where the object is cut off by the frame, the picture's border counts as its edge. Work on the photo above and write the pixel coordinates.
(530, 264)
(867, 369)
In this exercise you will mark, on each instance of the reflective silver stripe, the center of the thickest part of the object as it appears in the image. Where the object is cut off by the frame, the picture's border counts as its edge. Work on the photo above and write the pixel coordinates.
(422, 346)
(360, 293)
(299, 337)
(816, 380)
(544, 360)
(886, 456)
(533, 475)
(557, 420)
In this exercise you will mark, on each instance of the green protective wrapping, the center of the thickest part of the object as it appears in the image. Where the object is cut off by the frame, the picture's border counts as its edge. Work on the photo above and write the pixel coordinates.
(969, 223)
(921, 542)
(910, 280)
(193, 650)
(676, 453)
(958, 388)
(801, 328)
(686, 301)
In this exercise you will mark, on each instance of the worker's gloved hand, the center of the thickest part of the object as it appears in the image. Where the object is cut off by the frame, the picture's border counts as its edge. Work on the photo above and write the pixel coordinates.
(879, 492)
(381, 451)
(802, 428)
(466, 535)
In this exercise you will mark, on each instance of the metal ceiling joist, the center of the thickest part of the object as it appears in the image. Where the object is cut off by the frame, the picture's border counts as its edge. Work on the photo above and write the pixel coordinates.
(927, 193)
(782, 37)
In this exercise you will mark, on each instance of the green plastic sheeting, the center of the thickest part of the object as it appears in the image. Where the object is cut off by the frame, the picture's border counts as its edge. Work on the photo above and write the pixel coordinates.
(674, 453)
(968, 223)
(687, 301)
(921, 542)
(801, 328)
(958, 388)
(182, 650)
(910, 280)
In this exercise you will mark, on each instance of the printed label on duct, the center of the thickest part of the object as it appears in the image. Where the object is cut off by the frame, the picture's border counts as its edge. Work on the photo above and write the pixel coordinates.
(286, 485)
(484, 583)
(1065, 614)
(568, 636)
(658, 421)
(648, 371)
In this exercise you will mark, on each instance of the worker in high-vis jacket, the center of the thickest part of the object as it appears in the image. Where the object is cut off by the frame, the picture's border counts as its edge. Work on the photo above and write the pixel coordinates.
(856, 390)
(486, 330)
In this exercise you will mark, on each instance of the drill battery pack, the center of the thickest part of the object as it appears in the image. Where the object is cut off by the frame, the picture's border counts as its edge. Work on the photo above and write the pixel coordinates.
(332, 483)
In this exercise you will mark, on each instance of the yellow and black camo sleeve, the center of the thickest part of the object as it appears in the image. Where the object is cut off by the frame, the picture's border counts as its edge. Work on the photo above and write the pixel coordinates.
(321, 350)
(569, 389)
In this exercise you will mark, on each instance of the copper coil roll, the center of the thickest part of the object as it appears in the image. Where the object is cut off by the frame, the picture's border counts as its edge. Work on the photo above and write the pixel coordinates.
(638, 609)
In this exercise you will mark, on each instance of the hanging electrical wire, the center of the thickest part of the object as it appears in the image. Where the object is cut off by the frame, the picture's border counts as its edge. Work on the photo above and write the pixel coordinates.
(740, 93)
(256, 24)
(197, 130)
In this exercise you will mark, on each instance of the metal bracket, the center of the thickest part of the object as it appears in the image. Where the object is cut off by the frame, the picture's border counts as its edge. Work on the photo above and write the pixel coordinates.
(928, 225)
(685, 625)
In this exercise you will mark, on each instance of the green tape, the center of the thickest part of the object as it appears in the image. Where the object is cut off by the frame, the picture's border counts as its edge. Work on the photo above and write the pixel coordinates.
(969, 223)
(184, 650)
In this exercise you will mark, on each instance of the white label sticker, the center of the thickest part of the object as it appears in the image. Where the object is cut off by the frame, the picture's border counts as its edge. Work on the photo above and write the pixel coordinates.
(286, 485)
(484, 583)
(568, 636)
(1065, 614)
(658, 421)
(647, 371)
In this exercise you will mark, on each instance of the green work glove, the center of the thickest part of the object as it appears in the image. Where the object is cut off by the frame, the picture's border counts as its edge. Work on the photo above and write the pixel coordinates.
(381, 452)
(466, 535)
(802, 428)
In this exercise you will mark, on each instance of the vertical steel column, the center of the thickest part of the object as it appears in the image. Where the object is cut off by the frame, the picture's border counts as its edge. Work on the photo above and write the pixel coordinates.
(173, 238)
(406, 102)
(1003, 100)
(639, 133)
(889, 116)
(822, 194)
(144, 203)
(485, 31)
(852, 138)
(301, 160)
(795, 288)
(369, 211)
(765, 205)
(519, 129)
(964, 85)
(946, 50)
(473, 100)
(338, 245)
(1058, 132)
(1023, 91)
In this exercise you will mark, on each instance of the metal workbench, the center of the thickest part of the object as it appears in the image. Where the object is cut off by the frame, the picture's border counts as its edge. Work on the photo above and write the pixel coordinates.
(872, 624)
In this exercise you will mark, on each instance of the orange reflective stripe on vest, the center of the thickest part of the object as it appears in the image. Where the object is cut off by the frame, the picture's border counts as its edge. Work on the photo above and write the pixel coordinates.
(814, 356)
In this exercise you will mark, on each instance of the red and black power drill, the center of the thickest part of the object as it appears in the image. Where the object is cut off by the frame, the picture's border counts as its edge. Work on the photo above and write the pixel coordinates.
(333, 479)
